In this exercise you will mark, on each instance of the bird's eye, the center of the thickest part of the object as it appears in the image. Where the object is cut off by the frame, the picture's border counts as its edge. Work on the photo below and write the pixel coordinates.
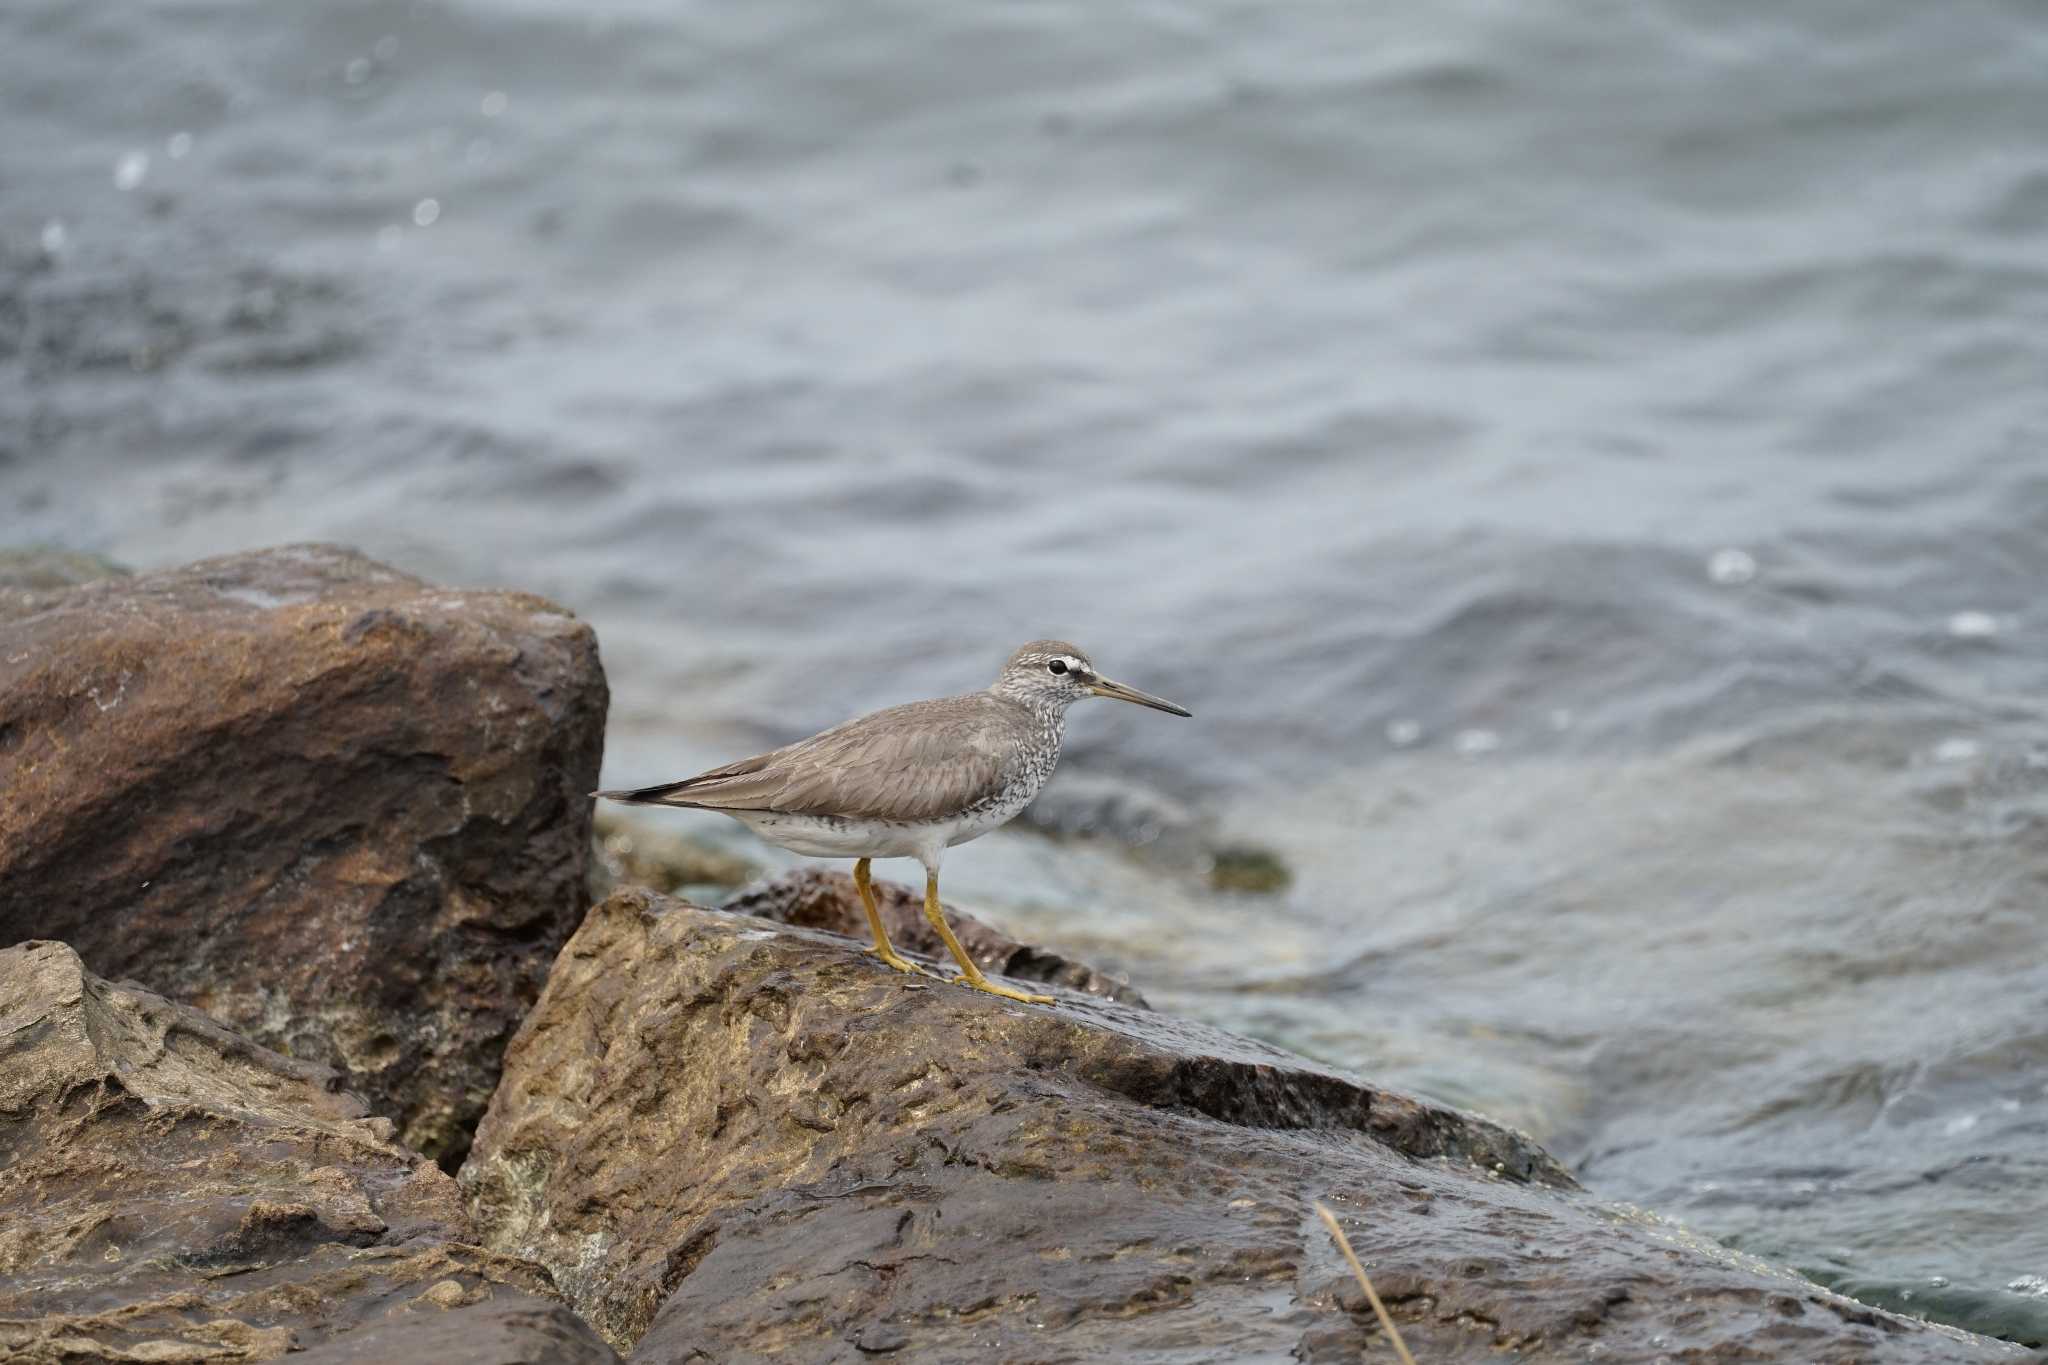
(1057, 666)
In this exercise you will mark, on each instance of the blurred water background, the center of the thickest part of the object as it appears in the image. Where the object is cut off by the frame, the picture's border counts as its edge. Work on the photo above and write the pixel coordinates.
(1585, 464)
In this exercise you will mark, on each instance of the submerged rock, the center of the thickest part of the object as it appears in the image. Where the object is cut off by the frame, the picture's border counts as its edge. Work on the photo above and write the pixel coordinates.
(339, 809)
(1165, 833)
(730, 1138)
(814, 898)
(170, 1192)
(629, 852)
(1097, 805)
(1248, 868)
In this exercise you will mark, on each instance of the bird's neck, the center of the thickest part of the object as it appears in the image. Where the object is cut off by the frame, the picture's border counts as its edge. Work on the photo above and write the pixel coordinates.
(1044, 755)
(1052, 723)
(1049, 713)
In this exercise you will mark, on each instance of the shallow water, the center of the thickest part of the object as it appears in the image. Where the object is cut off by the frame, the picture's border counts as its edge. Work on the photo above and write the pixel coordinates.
(1584, 465)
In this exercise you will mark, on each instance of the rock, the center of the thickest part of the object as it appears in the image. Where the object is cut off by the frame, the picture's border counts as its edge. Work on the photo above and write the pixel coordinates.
(1165, 833)
(1249, 869)
(339, 809)
(817, 899)
(631, 852)
(729, 1138)
(39, 569)
(171, 1192)
(1119, 808)
(500, 1331)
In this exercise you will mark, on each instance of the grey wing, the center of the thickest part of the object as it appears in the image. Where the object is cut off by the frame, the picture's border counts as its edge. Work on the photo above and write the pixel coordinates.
(919, 762)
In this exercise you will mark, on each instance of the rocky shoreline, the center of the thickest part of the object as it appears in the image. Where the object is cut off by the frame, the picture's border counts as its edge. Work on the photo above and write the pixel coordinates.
(336, 1061)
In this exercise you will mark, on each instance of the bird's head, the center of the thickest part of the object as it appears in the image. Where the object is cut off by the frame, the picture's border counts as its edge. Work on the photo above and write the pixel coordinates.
(1054, 674)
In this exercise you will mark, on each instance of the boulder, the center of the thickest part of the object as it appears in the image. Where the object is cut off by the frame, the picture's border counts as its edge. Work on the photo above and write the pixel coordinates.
(507, 1330)
(732, 1138)
(171, 1192)
(341, 810)
(815, 898)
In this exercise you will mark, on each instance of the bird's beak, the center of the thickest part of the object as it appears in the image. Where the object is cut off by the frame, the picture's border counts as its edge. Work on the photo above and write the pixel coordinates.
(1103, 687)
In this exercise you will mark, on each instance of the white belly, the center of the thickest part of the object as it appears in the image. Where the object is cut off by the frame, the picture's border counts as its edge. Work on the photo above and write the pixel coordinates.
(826, 837)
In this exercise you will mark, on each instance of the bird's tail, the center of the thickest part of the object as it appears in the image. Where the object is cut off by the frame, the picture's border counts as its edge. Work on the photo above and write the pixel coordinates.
(667, 794)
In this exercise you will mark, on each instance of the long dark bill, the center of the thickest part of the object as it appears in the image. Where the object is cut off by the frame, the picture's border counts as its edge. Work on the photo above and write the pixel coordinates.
(1103, 687)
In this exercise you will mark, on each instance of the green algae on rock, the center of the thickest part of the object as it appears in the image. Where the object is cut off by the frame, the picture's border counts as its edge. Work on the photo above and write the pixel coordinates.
(38, 568)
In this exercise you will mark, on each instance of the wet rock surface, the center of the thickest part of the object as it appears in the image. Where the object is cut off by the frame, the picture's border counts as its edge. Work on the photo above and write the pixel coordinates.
(505, 1330)
(815, 898)
(170, 1192)
(339, 809)
(733, 1138)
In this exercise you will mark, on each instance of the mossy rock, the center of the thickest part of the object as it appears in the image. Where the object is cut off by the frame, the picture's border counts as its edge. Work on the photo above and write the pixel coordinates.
(1247, 868)
(40, 568)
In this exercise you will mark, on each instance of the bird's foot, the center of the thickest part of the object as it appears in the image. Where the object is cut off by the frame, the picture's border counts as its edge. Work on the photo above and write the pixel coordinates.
(901, 963)
(982, 983)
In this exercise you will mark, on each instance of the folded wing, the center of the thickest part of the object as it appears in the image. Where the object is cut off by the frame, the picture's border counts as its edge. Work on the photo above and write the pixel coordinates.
(924, 761)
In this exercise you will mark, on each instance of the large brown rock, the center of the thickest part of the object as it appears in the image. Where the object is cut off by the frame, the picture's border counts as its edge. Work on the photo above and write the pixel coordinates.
(814, 898)
(339, 809)
(504, 1330)
(733, 1139)
(170, 1192)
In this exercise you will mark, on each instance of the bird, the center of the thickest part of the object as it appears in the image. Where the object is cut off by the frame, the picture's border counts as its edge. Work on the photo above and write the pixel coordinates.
(911, 781)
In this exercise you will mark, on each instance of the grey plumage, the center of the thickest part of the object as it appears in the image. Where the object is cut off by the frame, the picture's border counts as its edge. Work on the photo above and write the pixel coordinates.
(924, 760)
(911, 781)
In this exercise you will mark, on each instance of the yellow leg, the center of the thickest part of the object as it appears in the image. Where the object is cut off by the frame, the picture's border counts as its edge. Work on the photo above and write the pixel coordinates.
(970, 975)
(883, 948)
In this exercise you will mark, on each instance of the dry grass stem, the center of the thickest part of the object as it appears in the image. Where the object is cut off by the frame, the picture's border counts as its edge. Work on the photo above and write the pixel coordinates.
(1365, 1283)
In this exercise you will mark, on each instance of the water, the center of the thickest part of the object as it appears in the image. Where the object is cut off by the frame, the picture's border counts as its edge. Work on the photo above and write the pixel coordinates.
(1584, 465)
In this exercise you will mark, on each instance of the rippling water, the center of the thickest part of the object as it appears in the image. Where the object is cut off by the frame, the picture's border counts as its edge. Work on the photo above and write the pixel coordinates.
(1586, 465)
